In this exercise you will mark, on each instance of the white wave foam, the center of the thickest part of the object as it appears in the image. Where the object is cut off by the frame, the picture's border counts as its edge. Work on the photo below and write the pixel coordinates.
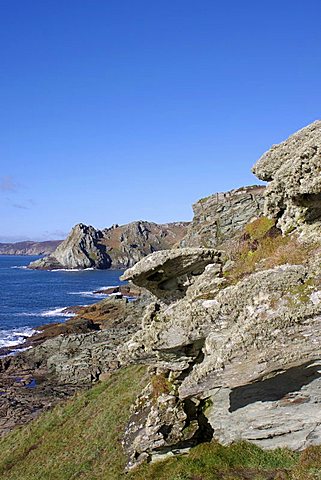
(16, 336)
(55, 312)
(89, 294)
(23, 267)
(70, 269)
(93, 293)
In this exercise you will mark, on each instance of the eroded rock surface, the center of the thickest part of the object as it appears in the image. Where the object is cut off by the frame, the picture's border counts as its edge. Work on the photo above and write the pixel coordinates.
(81, 249)
(219, 217)
(246, 356)
(293, 170)
(168, 274)
(63, 360)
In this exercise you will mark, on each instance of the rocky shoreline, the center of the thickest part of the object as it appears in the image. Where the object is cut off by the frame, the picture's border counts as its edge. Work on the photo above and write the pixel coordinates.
(62, 358)
(228, 323)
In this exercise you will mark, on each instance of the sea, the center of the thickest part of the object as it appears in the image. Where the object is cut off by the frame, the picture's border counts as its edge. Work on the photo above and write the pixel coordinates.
(31, 298)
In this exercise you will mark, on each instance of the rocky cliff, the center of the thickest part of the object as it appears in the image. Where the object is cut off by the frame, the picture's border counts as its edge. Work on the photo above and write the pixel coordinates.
(115, 247)
(232, 334)
(233, 337)
(127, 244)
(219, 217)
(29, 248)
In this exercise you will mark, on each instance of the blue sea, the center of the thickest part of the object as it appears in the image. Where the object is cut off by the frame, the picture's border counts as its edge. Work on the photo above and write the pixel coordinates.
(30, 298)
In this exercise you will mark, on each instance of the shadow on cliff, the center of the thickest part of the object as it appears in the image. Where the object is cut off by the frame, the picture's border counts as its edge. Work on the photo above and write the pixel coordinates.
(276, 388)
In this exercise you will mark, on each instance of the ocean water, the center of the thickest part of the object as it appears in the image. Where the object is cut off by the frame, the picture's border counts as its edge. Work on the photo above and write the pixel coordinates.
(30, 298)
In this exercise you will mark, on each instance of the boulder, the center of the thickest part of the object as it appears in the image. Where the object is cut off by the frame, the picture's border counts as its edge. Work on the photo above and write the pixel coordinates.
(293, 170)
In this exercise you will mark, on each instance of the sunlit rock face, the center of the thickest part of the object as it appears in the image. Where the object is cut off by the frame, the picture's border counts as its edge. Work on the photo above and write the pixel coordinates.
(236, 359)
(219, 217)
(119, 246)
(293, 172)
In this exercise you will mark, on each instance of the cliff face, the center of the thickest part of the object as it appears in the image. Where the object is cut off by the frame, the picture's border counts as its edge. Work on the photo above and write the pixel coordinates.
(234, 336)
(219, 217)
(29, 248)
(115, 247)
(81, 249)
(127, 244)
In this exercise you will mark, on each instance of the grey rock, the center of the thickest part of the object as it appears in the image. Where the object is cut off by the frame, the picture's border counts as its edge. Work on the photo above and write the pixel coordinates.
(115, 247)
(168, 274)
(81, 249)
(250, 352)
(292, 168)
(283, 410)
(219, 217)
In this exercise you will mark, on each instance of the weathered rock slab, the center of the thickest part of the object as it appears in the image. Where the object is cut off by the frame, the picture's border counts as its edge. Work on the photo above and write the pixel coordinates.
(168, 274)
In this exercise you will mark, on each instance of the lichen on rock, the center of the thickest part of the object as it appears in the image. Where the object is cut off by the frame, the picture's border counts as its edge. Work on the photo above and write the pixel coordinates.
(248, 349)
(293, 172)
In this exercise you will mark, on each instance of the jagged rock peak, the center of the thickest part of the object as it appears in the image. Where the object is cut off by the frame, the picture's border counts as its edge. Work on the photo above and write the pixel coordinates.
(119, 246)
(293, 170)
(81, 249)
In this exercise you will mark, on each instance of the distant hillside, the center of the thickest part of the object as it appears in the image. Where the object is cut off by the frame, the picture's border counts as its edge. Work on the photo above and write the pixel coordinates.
(29, 248)
(119, 246)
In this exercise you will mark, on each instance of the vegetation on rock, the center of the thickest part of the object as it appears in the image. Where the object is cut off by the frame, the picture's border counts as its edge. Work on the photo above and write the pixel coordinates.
(81, 439)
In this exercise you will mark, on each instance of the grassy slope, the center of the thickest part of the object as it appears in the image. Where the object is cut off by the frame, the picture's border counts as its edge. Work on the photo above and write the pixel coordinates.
(81, 439)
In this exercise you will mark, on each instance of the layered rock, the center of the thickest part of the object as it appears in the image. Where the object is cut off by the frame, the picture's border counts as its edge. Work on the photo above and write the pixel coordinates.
(219, 217)
(115, 247)
(127, 244)
(169, 274)
(293, 170)
(29, 248)
(239, 361)
(81, 249)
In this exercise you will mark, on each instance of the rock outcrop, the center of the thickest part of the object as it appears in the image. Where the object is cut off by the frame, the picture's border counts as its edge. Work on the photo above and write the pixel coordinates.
(219, 217)
(127, 244)
(29, 248)
(81, 249)
(235, 355)
(293, 170)
(168, 274)
(238, 361)
(115, 247)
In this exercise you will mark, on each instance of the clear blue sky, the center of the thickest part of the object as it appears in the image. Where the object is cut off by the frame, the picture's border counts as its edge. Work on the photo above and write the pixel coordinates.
(118, 110)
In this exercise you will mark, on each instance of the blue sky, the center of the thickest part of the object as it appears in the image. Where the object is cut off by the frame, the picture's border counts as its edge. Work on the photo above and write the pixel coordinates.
(118, 110)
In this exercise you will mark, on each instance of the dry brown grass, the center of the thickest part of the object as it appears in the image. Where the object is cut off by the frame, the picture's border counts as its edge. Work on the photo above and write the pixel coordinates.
(261, 246)
(160, 384)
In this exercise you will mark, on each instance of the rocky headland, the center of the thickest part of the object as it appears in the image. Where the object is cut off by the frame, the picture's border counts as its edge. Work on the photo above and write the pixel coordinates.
(116, 247)
(228, 321)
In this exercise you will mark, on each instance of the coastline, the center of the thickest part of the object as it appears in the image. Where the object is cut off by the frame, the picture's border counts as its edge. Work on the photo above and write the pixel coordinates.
(50, 365)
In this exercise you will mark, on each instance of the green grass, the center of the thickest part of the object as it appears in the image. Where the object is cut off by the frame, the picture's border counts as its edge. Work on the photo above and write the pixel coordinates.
(81, 439)
(212, 461)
